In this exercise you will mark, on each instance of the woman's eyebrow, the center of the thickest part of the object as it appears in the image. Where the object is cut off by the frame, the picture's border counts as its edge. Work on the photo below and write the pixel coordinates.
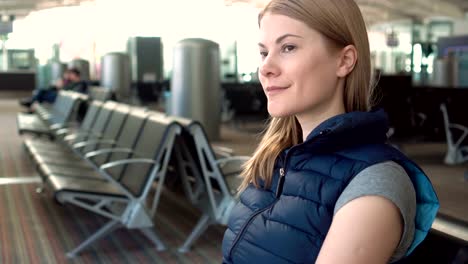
(281, 38)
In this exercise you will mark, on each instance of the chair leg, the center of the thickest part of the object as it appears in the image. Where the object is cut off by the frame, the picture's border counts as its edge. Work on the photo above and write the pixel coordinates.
(201, 226)
(40, 188)
(150, 233)
(451, 156)
(108, 228)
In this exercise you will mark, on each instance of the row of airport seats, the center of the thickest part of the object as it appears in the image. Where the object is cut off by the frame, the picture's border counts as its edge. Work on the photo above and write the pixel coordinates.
(49, 117)
(110, 163)
(65, 111)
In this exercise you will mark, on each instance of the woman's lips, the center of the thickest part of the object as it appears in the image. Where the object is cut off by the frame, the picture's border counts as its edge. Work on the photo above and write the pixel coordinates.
(270, 90)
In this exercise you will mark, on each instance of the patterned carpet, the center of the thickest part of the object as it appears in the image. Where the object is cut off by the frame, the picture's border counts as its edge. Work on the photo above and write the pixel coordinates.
(36, 229)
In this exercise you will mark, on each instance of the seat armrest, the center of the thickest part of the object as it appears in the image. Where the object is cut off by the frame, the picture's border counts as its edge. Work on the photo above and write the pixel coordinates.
(223, 161)
(98, 152)
(116, 163)
(222, 151)
(83, 144)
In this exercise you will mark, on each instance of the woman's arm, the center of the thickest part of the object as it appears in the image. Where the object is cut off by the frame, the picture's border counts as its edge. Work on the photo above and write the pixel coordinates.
(365, 230)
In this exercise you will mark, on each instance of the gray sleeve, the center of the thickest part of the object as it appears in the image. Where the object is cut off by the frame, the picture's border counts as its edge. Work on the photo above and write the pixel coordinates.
(389, 180)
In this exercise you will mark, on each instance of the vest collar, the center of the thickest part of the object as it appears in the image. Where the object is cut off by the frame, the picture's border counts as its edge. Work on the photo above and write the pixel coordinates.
(349, 129)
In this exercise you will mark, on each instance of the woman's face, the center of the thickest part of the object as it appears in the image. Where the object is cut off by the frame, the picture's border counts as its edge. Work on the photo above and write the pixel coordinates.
(298, 69)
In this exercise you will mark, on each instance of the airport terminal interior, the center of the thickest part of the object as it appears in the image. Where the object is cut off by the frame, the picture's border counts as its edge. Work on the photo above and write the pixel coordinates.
(142, 165)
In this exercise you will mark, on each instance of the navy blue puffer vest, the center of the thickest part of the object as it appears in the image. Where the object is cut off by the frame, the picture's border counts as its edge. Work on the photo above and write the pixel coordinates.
(288, 222)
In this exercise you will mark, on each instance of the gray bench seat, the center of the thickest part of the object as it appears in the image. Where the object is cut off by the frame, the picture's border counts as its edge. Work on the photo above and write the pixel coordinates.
(210, 183)
(46, 120)
(70, 157)
(457, 143)
(83, 186)
(97, 126)
(122, 195)
(31, 123)
(86, 165)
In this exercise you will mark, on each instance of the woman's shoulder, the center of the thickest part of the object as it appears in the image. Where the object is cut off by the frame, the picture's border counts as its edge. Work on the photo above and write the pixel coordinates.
(388, 179)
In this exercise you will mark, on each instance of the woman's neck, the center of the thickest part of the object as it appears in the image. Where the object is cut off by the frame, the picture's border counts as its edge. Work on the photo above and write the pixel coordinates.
(331, 107)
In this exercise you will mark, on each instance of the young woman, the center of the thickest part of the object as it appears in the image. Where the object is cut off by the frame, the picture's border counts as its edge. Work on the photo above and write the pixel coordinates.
(323, 186)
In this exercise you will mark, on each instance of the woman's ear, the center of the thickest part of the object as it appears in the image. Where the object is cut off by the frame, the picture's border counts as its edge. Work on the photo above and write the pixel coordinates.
(347, 60)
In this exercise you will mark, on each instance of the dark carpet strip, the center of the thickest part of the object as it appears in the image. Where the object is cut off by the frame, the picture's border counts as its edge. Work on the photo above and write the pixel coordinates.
(14, 161)
(23, 163)
(42, 233)
(8, 163)
(2, 172)
(27, 225)
(36, 229)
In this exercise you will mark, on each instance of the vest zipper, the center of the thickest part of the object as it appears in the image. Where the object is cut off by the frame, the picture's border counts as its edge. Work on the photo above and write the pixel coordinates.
(241, 233)
(279, 187)
(279, 191)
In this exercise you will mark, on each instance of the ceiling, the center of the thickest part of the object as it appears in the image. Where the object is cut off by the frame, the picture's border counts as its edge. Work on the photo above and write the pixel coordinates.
(376, 11)
(20, 8)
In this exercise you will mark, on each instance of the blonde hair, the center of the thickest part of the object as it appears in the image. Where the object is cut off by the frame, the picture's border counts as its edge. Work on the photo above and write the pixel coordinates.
(341, 22)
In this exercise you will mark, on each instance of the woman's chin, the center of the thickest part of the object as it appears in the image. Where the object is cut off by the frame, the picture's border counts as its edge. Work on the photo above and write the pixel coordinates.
(277, 113)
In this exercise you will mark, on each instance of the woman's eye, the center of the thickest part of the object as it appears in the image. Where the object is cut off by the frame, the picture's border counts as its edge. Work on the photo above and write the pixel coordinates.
(288, 48)
(263, 54)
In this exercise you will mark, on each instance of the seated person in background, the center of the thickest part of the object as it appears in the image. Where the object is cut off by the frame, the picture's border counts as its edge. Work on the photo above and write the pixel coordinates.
(71, 80)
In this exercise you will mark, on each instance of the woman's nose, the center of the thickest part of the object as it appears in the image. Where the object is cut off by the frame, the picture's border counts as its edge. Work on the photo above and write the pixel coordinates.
(269, 67)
